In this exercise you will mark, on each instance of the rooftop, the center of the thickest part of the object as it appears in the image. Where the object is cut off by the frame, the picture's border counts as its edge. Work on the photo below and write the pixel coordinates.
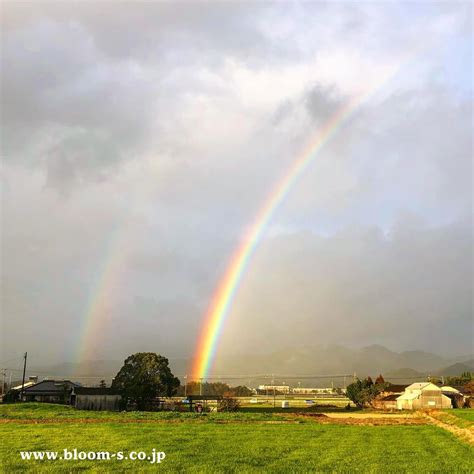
(422, 385)
(390, 398)
(409, 396)
(50, 386)
(396, 388)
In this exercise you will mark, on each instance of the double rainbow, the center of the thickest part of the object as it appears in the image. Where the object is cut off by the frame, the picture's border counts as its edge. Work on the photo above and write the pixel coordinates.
(96, 314)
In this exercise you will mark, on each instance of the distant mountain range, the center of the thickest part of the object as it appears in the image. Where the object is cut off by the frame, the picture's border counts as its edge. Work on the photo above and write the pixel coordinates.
(303, 362)
(458, 368)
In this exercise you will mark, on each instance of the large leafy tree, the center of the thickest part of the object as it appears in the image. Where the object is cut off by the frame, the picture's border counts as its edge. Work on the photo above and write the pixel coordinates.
(145, 376)
(363, 392)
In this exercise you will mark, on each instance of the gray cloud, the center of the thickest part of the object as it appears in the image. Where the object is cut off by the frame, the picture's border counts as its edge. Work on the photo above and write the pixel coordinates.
(359, 287)
(151, 134)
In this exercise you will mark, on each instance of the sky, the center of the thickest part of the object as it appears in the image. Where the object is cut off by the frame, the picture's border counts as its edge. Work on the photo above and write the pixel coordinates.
(139, 141)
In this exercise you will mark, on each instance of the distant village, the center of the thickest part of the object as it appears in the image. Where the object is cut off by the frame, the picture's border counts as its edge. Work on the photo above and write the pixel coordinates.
(391, 397)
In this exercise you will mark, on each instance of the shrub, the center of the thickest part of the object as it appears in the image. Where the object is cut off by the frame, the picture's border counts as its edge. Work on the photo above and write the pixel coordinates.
(228, 404)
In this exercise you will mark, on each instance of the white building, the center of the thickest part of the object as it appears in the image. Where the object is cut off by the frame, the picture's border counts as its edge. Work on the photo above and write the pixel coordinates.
(423, 395)
(274, 388)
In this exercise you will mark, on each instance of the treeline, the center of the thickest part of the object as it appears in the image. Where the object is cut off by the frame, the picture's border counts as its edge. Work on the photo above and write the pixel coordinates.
(460, 380)
(213, 388)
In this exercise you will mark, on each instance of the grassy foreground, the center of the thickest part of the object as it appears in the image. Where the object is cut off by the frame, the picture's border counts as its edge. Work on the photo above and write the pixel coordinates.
(224, 443)
(467, 415)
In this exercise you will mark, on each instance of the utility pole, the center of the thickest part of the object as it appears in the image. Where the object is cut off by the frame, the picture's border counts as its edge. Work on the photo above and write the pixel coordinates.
(185, 385)
(273, 383)
(4, 373)
(200, 386)
(24, 373)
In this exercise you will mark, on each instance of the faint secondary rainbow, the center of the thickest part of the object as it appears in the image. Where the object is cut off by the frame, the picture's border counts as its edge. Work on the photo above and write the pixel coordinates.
(101, 296)
(224, 295)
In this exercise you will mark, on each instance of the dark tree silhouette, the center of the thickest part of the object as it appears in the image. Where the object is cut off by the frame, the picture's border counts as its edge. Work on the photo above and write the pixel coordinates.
(145, 376)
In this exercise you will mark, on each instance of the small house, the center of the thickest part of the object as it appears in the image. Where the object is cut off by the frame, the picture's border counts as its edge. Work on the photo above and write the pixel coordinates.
(96, 398)
(387, 399)
(51, 391)
(388, 402)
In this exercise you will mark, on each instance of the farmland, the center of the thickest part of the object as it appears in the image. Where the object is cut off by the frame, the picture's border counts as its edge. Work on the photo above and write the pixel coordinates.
(240, 442)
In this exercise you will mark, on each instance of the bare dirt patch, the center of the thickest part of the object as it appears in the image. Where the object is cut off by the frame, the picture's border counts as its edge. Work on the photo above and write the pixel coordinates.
(371, 419)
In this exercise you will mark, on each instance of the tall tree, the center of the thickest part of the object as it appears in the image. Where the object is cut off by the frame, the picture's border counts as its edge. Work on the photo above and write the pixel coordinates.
(379, 380)
(145, 376)
(363, 392)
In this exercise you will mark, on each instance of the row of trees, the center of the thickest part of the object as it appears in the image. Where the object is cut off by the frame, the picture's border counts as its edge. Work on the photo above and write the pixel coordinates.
(461, 380)
(213, 388)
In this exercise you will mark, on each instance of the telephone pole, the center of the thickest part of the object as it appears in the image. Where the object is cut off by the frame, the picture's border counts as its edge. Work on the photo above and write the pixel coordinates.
(273, 383)
(24, 373)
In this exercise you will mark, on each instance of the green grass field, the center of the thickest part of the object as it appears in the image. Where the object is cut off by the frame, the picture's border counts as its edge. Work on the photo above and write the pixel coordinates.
(220, 442)
(460, 418)
(467, 415)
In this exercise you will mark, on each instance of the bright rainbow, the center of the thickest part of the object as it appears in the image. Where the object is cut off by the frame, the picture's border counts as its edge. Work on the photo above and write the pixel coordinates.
(224, 295)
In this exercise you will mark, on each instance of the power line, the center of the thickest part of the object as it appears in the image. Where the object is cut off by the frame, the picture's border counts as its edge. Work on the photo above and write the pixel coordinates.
(9, 360)
(243, 376)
